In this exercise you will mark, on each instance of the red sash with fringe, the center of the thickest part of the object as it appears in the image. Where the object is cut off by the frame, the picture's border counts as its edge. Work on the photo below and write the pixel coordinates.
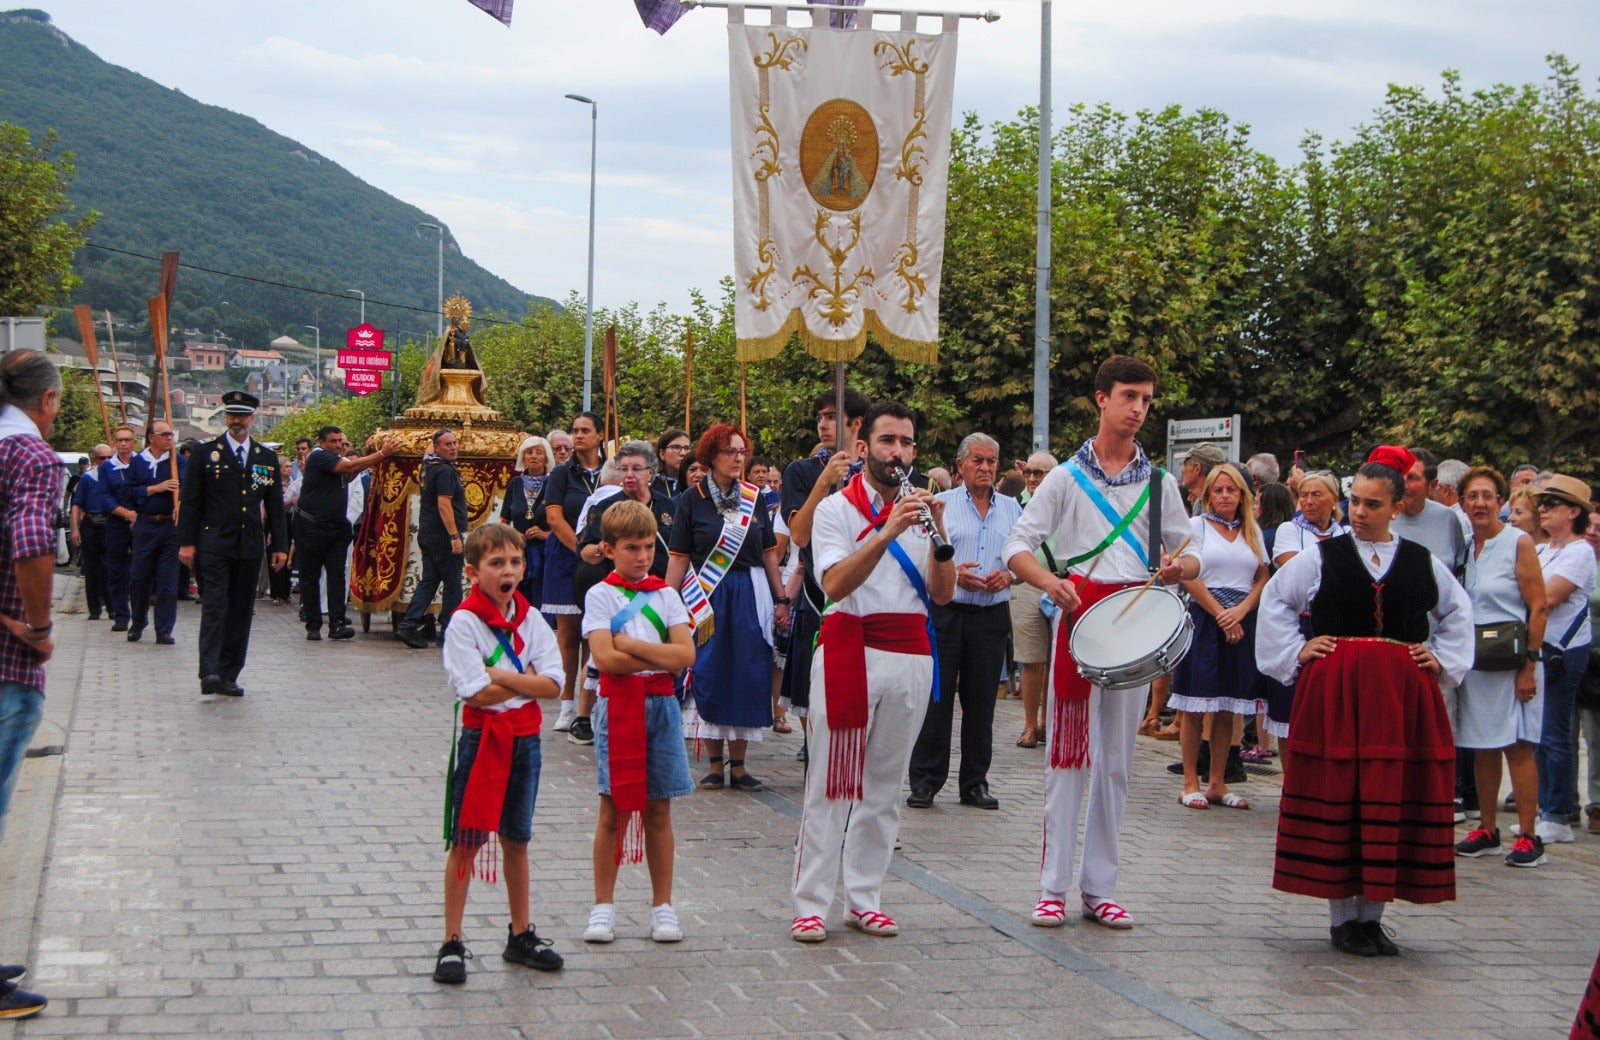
(1069, 702)
(485, 796)
(627, 737)
(846, 637)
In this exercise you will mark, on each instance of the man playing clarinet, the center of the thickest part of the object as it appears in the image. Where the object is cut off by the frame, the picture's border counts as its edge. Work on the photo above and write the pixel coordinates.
(871, 678)
(1099, 505)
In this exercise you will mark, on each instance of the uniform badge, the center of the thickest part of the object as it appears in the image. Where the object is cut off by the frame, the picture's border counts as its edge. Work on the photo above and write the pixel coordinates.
(216, 456)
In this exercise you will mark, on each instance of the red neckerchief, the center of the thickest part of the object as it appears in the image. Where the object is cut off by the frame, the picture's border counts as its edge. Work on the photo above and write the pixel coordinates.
(484, 798)
(855, 492)
(627, 737)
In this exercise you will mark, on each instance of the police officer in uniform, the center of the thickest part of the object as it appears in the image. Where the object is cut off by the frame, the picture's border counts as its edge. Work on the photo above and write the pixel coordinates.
(150, 487)
(230, 481)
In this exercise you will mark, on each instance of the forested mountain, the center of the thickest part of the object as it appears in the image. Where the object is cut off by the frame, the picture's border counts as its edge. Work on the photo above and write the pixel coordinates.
(168, 172)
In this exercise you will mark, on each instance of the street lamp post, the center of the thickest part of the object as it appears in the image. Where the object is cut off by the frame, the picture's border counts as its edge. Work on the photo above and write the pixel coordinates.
(1041, 284)
(316, 376)
(363, 296)
(439, 229)
(588, 320)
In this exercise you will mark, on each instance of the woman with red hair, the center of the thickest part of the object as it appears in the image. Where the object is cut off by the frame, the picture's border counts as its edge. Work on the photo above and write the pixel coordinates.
(722, 539)
(1367, 812)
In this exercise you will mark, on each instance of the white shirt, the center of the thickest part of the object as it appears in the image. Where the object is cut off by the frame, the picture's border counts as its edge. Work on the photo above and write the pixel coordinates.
(601, 493)
(1278, 638)
(1059, 507)
(468, 643)
(1228, 565)
(887, 590)
(1292, 538)
(15, 421)
(605, 601)
(235, 446)
(1574, 562)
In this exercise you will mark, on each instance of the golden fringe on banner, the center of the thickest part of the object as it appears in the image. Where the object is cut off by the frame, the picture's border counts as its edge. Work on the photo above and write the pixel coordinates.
(764, 348)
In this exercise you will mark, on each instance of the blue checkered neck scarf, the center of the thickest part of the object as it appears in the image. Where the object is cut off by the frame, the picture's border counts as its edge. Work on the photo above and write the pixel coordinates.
(1137, 472)
(824, 454)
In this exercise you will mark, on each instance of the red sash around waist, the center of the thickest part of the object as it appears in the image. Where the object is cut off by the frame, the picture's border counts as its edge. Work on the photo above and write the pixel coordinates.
(847, 637)
(485, 796)
(1069, 727)
(627, 740)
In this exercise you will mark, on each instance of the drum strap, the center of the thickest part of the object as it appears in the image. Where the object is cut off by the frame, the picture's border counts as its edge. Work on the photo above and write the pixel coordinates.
(1157, 477)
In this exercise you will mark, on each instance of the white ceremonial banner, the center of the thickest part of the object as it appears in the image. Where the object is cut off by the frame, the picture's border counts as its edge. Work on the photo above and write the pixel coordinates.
(841, 150)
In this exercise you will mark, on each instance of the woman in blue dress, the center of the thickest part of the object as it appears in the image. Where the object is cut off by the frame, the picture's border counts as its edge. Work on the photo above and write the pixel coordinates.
(732, 676)
(523, 509)
(564, 494)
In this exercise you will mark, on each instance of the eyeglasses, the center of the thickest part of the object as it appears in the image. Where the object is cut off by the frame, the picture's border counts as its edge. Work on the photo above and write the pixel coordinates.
(1552, 502)
(734, 453)
(1039, 473)
(678, 447)
(633, 470)
(102, 458)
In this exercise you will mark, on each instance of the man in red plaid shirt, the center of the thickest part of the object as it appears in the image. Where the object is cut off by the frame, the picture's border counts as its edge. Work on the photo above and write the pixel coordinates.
(30, 488)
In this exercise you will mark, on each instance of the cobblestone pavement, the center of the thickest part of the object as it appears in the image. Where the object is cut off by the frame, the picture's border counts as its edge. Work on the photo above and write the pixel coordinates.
(271, 867)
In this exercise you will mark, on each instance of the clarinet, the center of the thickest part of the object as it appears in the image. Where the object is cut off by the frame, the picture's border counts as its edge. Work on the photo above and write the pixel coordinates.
(942, 550)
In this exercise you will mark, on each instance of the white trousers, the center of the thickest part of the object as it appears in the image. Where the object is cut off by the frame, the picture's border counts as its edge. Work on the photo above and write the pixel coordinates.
(898, 688)
(1113, 728)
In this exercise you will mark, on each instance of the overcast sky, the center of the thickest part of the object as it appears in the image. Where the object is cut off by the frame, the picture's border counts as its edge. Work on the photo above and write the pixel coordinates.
(437, 103)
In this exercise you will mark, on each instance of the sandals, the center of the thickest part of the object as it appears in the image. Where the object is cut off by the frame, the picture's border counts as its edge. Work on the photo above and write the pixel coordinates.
(781, 725)
(1166, 733)
(712, 781)
(808, 929)
(743, 781)
(1150, 726)
(1106, 914)
(1049, 913)
(872, 922)
(1194, 800)
(1255, 754)
(1230, 800)
(1029, 738)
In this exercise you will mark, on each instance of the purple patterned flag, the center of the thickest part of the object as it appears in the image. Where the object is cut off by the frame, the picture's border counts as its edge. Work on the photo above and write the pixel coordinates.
(659, 14)
(839, 20)
(497, 9)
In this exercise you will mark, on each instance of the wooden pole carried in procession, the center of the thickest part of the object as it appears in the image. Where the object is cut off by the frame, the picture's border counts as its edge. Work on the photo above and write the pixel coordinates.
(688, 378)
(158, 332)
(608, 379)
(116, 370)
(91, 351)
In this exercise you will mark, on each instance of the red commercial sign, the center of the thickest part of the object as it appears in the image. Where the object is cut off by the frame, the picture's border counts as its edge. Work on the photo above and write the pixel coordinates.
(364, 337)
(362, 381)
(377, 360)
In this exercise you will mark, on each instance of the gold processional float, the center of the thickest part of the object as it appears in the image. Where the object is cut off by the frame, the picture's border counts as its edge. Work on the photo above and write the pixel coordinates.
(387, 564)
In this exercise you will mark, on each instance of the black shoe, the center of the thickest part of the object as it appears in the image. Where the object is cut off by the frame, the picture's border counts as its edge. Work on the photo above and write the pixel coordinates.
(1202, 763)
(345, 631)
(229, 688)
(920, 798)
(313, 635)
(19, 1003)
(119, 626)
(451, 967)
(134, 634)
(94, 617)
(1379, 939)
(582, 731)
(1234, 772)
(411, 637)
(1351, 937)
(531, 951)
(165, 641)
(980, 798)
(210, 684)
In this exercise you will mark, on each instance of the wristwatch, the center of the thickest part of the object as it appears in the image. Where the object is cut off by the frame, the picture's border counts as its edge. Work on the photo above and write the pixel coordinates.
(1536, 655)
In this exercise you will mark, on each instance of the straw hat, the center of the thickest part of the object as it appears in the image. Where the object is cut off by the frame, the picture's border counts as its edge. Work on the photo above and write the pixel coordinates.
(1569, 489)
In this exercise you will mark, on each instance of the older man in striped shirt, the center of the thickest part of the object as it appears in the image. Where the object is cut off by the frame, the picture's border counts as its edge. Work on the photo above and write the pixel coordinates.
(971, 630)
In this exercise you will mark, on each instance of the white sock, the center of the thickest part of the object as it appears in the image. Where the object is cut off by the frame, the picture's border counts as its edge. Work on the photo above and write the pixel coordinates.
(1369, 911)
(1343, 911)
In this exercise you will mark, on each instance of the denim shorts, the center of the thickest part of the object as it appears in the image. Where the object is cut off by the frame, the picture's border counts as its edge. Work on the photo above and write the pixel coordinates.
(667, 769)
(522, 787)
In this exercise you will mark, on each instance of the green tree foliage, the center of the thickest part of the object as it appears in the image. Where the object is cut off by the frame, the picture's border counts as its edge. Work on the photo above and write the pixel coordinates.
(77, 426)
(37, 238)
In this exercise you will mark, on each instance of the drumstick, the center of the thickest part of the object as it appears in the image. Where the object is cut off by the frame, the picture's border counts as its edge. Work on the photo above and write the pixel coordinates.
(1146, 586)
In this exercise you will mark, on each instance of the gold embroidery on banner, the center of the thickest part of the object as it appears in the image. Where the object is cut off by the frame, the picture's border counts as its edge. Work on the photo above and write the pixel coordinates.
(782, 55)
(913, 156)
(837, 309)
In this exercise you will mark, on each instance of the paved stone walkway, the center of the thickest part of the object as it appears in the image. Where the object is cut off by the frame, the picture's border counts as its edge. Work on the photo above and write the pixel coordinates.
(271, 867)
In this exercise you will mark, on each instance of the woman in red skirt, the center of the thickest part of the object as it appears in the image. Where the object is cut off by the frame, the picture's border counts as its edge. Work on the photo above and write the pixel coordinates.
(1367, 814)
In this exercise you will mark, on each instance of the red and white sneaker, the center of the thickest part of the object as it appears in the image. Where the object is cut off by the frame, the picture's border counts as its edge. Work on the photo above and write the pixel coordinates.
(871, 922)
(1049, 913)
(1106, 913)
(808, 929)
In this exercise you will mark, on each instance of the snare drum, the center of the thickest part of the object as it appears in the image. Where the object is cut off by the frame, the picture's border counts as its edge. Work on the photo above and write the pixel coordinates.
(1119, 653)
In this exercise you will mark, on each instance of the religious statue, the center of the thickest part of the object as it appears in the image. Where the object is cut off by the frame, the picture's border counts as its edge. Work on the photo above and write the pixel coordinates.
(453, 355)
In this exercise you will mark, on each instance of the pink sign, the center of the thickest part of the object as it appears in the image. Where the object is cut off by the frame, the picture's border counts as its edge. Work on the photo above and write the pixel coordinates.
(364, 337)
(378, 360)
(362, 381)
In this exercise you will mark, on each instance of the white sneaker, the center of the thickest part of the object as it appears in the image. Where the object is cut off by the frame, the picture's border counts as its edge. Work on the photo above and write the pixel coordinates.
(1550, 832)
(602, 924)
(564, 721)
(664, 926)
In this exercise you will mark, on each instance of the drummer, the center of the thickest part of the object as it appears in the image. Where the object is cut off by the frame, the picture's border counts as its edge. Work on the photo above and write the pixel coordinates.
(1098, 505)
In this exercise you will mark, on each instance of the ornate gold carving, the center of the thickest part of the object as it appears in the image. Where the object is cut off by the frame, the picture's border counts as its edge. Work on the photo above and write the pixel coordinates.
(913, 156)
(783, 54)
(839, 293)
(767, 253)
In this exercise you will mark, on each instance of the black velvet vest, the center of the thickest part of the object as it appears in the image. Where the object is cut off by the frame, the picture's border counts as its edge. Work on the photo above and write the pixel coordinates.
(1350, 602)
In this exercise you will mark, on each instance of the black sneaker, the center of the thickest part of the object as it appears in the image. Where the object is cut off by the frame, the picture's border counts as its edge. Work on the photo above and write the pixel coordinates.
(1526, 852)
(119, 626)
(530, 950)
(1379, 938)
(1460, 811)
(1479, 842)
(344, 631)
(412, 638)
(1351, 937)
(19, 1003)
(451, 967)
(313, 635)
(582, 731)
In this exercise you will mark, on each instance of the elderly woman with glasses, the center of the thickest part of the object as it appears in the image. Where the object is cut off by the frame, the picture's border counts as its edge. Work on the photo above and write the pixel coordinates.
(1568, 566)
(724, 558)
(523, 509)
(1030, 629)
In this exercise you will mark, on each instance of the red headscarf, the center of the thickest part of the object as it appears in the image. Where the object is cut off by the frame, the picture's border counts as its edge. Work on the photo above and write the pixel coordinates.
(1395, 456)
